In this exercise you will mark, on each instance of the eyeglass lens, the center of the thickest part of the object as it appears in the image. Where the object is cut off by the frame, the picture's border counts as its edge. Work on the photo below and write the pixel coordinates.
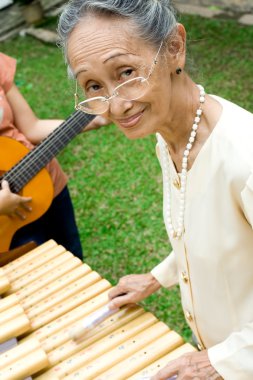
(130, 90)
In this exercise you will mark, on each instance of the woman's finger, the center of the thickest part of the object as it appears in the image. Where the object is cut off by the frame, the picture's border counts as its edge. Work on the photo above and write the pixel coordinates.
(115, 292)
(26, 206)
(19, 214)
(5, 185)
(120, 301)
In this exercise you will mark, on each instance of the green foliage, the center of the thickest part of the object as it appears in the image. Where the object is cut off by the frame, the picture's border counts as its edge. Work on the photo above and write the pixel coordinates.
(116, 183)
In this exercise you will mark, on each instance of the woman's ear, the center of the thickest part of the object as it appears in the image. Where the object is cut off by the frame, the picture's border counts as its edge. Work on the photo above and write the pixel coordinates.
(181, 32)
(177, 46)
(181, 55)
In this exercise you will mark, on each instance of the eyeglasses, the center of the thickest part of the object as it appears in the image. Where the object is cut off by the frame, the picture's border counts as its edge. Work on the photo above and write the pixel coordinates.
(132, 89)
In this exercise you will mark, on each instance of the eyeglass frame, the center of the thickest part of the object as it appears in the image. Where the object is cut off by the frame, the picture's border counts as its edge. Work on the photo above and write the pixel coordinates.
(114, 94)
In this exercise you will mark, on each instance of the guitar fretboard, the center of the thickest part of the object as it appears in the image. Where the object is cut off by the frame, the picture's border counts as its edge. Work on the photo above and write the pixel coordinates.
(43, 153)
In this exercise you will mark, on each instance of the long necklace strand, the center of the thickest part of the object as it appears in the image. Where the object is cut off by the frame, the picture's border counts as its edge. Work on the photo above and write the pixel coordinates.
(178, 231)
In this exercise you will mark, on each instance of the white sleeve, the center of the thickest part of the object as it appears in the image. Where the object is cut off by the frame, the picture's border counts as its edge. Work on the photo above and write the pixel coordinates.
(166, 272)
(247, 200)
(233, 358)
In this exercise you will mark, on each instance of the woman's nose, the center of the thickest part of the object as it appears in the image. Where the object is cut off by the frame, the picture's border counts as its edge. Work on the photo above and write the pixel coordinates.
(118, 106)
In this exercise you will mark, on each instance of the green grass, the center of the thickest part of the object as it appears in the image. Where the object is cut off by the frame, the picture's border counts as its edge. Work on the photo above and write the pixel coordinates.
(116, 183)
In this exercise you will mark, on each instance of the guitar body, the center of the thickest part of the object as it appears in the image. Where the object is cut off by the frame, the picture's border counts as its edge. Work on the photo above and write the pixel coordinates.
(40, 188)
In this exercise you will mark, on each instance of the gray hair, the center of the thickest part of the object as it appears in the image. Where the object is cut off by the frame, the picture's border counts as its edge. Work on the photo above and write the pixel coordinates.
(155, 20)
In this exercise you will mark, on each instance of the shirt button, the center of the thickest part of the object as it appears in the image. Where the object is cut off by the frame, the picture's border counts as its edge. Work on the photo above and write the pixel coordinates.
(184, 277)
(176, 183)
(188, 316)
(200, 348)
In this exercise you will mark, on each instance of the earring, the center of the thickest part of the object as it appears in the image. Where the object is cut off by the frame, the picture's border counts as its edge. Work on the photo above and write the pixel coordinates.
(178, 70)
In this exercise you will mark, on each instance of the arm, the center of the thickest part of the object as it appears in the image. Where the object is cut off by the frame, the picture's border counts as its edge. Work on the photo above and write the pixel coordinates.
(166, 271)
(134, 288)
(26, 121)
(33, 128)
(233, 357)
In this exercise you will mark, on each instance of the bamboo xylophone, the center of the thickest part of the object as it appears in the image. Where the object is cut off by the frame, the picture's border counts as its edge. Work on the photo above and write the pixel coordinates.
(45, 295)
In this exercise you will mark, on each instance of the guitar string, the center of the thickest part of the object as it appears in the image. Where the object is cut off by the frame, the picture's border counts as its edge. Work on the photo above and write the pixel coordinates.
(12, 173)
(64, 132)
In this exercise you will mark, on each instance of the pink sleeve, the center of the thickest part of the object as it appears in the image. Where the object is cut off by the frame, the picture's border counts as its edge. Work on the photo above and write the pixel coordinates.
(7, 71)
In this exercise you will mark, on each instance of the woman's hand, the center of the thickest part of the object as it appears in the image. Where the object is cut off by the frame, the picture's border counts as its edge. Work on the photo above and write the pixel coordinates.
(132, 289)
(13, 204)
(192, 366)
(96, 123)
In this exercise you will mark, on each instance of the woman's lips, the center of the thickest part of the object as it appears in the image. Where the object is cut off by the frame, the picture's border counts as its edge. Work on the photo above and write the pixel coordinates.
(130, 121)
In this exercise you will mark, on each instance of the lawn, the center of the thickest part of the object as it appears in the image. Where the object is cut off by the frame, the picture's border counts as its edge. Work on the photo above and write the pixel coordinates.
(115, 183)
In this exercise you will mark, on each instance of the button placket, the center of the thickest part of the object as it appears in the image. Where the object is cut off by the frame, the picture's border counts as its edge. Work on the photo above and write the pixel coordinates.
(187, 291)
(185, 282)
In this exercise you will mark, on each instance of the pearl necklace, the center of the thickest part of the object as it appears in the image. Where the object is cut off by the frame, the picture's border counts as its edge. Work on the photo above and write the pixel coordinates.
(178, 231)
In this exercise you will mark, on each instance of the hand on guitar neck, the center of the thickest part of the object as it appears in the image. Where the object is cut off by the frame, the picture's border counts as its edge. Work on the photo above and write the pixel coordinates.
(12, 204)
(97, 123)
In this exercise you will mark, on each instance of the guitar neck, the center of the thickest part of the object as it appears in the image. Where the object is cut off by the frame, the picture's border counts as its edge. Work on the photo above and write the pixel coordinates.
(43, 153)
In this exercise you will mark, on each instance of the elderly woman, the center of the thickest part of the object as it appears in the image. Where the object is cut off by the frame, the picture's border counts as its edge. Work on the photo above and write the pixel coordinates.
(128, 58)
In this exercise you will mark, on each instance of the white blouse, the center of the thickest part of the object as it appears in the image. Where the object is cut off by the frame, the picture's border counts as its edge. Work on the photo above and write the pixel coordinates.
(213, 261)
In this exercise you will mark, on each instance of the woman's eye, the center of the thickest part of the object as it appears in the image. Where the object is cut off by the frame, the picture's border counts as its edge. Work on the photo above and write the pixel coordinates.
(127, 74)
(93, 90)
(94, 87)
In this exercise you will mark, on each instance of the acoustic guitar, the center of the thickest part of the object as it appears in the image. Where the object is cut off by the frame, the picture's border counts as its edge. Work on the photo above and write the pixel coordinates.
(24, 170)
